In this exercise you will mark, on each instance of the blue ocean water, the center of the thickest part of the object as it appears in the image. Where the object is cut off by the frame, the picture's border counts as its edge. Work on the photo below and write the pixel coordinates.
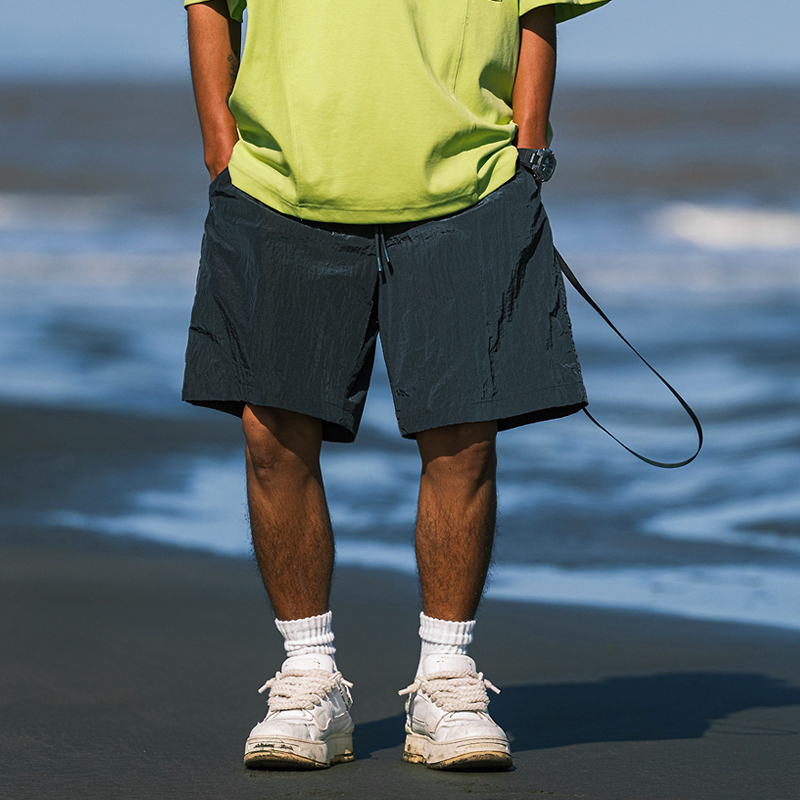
(95, 292)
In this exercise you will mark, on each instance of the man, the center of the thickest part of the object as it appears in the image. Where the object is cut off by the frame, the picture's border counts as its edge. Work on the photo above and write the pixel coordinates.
(365, 178)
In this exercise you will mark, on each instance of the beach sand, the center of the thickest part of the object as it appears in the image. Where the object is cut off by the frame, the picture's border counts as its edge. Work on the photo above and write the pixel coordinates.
(130, 670)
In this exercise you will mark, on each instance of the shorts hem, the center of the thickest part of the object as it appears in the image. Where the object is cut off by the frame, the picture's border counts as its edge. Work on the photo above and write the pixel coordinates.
(337, 426)
(509, 413)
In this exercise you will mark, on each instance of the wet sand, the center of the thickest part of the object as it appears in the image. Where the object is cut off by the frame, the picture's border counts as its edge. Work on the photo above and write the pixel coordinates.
(130, 669)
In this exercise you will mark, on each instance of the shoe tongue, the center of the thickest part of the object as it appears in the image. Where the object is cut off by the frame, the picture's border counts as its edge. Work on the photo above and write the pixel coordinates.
(310, 661)
(446, 662)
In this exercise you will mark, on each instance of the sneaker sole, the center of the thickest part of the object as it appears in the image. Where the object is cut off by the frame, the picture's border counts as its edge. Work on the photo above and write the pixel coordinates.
(298, 754)
(484, 753)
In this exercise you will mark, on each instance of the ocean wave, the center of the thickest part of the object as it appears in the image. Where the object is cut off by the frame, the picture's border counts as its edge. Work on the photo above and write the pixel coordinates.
(728, 522)
(100, 267)
(756, 594)
(730, 228)
(618, 247)
(678, 275)
(43, 212)
(735, 593)
(208, 511)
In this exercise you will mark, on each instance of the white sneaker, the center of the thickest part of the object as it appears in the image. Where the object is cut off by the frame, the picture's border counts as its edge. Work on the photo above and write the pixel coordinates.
(308, 725)
(447, 725)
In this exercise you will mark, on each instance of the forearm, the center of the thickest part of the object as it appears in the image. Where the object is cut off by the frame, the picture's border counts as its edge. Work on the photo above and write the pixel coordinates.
(536, 72)
(214, 45)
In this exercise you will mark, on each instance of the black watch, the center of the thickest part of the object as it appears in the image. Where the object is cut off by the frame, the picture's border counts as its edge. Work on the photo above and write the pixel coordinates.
(542, 163)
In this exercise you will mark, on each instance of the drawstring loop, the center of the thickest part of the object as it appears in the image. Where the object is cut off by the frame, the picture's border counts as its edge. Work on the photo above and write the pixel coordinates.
(382, 253)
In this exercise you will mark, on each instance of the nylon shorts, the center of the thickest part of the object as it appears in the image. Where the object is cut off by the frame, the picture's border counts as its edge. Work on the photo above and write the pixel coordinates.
(470, 309)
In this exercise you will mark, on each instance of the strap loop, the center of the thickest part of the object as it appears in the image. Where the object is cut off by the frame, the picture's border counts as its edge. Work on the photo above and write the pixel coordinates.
(664, 464)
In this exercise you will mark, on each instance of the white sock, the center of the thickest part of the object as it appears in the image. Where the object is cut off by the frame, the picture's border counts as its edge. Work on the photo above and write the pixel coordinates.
(443, 636)
(307, 635)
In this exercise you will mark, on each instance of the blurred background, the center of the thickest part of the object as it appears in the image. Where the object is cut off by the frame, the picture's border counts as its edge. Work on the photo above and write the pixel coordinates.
(676, 202)
(630, 41)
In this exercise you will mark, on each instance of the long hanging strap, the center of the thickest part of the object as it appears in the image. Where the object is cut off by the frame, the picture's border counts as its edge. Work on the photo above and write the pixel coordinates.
(665, 464)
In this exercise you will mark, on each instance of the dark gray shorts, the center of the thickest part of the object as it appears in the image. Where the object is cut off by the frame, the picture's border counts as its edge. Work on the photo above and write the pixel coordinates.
(470, 308)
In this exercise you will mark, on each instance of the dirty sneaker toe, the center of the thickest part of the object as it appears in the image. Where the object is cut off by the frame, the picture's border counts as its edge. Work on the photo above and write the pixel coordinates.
(308, 724)
(447, 723)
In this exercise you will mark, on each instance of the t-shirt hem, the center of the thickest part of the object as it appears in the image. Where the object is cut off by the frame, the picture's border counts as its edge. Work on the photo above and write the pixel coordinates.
(408, 212)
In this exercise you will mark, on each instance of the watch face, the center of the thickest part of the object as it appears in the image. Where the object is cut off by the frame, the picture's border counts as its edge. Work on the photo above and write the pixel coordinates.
(541, 163)
(547, 165)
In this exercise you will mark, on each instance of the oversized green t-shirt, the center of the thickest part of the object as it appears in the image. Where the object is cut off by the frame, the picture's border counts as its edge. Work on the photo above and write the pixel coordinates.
(377, 111)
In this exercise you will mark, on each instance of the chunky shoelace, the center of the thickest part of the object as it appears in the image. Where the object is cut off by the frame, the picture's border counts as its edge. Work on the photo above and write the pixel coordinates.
(303, 689)
(462, 690)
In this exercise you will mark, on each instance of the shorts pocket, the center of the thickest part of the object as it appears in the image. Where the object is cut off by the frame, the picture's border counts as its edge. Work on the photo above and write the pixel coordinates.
(223, 177)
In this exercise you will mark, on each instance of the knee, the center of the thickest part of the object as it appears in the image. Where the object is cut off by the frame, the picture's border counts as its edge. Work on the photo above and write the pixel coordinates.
(461, 455)
(476, 461)
(277, 439)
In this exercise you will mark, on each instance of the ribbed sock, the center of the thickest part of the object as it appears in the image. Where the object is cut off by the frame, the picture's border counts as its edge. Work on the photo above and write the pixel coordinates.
(443, 636)
(307, 635)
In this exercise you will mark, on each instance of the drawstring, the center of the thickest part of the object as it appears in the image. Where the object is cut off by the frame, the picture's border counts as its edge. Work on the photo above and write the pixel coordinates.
(382, 253)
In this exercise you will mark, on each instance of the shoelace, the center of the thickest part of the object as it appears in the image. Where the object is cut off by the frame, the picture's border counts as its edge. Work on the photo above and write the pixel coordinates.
(303, 689)
(462, 690)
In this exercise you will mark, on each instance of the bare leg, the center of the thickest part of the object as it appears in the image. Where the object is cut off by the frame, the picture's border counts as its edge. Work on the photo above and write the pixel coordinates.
(291, 528)
(456, 517)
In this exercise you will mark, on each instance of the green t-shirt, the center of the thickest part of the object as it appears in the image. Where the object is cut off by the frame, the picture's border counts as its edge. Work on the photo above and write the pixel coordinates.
(377, 111)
